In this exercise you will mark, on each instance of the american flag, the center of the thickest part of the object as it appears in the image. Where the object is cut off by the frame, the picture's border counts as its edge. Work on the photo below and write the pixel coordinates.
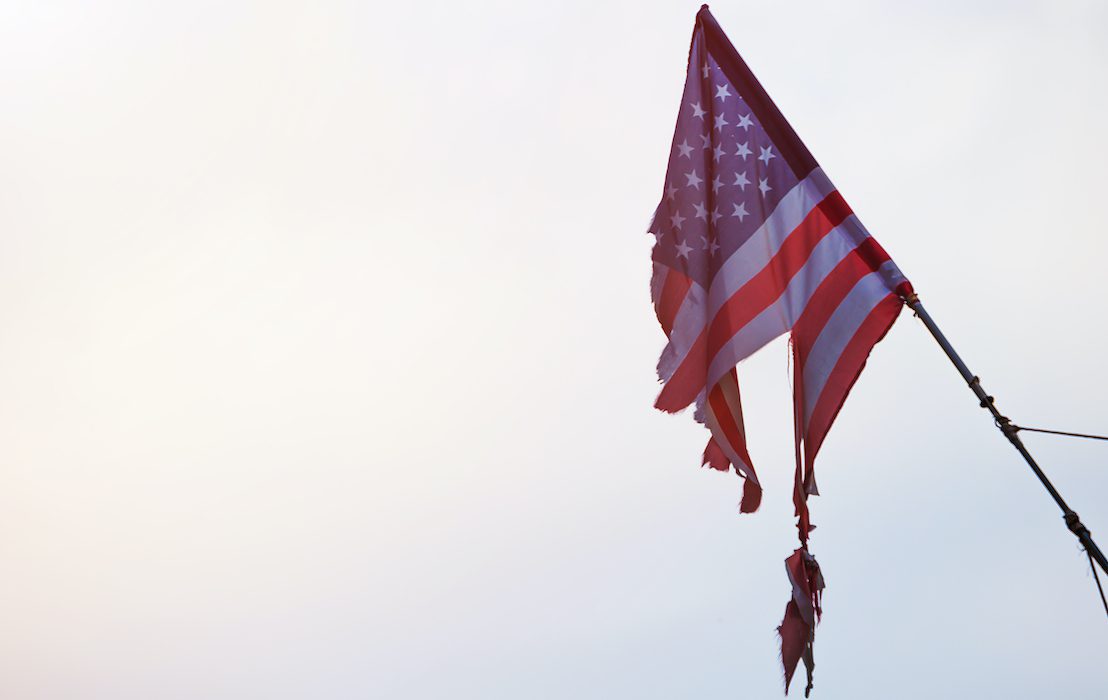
(752, 241)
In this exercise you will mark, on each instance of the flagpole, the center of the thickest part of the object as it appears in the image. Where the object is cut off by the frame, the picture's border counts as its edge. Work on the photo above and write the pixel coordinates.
(1010, 431)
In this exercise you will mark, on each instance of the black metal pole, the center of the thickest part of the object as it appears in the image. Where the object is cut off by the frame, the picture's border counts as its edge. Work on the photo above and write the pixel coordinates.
(1011, 432)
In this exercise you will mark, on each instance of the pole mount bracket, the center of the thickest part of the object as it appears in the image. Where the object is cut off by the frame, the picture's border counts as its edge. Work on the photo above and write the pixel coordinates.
(1073, 522)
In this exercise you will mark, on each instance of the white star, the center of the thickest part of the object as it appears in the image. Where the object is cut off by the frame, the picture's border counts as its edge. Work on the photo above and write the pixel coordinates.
(741, 181)
(716, 216)
(710, 246)
(683, 250)
(685, 148)
(697, 111)
(721, 92)
(671, 192)
(740, 211)
(745, 122)
(716, 184)
(677, 220)
(707, 141)
(767, 153)
(701, 211)
(693, 179)
(721, 122)
(763, 185)
(717, 153)
(657, 236)
(744, 150)
(705, 69)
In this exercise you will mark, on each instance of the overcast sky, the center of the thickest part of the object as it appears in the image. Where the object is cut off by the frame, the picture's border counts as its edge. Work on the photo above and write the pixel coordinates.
(327, 357)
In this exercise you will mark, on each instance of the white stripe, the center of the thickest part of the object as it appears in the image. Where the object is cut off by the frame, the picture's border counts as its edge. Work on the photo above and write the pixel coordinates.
(740, 466)
(687, 326)
(838, 331)
(658, 282)
(760, 248)
(779, 317)
(730, 387)
(889, 271)
(731, 395)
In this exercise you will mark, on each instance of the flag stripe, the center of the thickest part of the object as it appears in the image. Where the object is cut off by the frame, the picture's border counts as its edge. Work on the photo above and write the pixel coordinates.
(674, 290)
(761, 291)
(847, 370)
(836, 334)
(730, 388)
(724, 429)
(832, 289)
(715, 457)
(725, 411)
(688, 326)
(756, 252)
(686, 380)
(876, 255)
(779, 317)
(657, 281)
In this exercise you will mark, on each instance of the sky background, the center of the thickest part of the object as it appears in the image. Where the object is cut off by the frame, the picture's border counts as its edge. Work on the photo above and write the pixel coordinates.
(327, 357)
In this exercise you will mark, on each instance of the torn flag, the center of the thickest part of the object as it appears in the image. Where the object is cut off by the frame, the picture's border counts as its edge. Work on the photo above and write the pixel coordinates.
(753, 241)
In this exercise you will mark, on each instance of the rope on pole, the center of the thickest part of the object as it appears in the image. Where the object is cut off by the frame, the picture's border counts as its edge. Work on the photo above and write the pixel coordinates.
(1096, 577)
(1060, 432)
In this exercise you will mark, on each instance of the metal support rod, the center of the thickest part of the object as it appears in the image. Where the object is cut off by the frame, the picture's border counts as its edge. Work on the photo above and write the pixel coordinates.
(1010, 431)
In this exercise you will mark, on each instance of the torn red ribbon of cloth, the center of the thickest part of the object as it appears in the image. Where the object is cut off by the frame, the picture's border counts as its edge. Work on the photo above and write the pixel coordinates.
(798, 629)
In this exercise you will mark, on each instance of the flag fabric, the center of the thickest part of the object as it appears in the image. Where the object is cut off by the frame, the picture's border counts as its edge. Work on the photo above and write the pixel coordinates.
(752, 241)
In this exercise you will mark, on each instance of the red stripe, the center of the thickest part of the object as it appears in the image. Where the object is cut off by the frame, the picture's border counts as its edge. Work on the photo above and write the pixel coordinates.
(728, 422)
(766, 286)
(751, 299)
(673, 294)
(872, 252)
(687, 381)
(715, 457)
(847, 369)
(863, 260)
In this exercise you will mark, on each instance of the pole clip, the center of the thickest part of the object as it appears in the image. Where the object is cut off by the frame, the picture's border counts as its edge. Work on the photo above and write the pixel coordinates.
(1073, 522)
(975, 385)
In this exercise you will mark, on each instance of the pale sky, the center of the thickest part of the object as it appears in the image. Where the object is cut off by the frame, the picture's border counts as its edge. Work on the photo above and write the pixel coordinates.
(327, 357)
